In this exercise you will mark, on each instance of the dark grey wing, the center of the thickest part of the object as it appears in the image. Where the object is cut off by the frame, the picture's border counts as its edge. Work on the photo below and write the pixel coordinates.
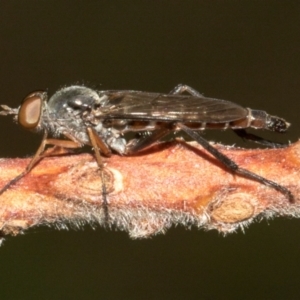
(183, 108)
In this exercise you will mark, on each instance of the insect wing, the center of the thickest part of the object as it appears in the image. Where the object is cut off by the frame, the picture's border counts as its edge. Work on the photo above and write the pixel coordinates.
(183, 108)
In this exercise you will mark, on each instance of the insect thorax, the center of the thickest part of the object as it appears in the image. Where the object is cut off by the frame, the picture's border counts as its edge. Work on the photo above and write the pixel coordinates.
(71, 110)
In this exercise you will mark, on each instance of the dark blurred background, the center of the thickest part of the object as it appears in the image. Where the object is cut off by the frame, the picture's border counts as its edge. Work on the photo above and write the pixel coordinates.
(243, 51)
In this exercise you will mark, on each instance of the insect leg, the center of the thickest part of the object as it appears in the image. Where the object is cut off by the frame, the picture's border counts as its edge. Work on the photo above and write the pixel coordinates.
(40, 154)
(147, 141)
(181, 88)
(231, 165)
(98, 145)
(257, 139)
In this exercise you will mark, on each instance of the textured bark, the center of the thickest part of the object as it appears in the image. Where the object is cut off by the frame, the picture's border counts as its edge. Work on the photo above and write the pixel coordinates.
(175, 183)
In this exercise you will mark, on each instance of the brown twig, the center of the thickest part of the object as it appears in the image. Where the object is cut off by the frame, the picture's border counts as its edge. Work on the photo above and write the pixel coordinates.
(176, 183)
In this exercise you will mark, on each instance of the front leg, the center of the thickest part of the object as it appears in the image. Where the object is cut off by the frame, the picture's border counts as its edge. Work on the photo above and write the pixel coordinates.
(40, 154)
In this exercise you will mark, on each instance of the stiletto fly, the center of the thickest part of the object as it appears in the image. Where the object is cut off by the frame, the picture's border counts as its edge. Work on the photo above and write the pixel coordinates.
(83, 116)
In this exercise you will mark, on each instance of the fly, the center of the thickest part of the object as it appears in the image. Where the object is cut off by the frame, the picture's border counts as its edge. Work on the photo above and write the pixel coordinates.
(83, 116)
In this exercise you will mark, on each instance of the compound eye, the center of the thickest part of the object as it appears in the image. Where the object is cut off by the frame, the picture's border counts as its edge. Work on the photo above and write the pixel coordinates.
(30, 110)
